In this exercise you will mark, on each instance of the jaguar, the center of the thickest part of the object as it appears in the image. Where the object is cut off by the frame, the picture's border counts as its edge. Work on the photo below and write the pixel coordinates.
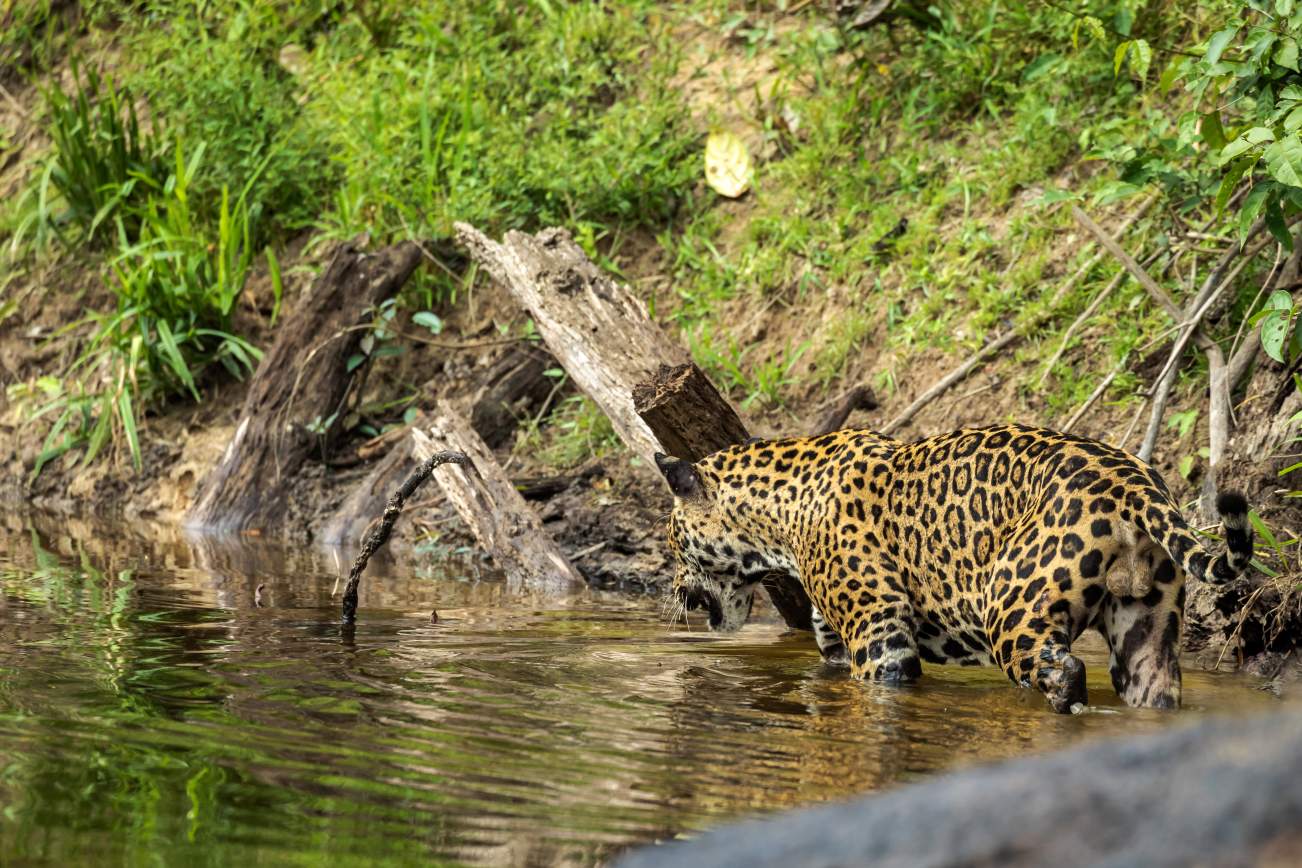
(982, 546)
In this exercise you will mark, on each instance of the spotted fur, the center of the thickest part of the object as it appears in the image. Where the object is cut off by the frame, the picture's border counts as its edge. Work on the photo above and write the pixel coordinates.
(984, 546)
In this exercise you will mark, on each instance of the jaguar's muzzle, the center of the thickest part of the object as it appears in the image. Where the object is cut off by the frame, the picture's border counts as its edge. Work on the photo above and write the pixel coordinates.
(696, 598)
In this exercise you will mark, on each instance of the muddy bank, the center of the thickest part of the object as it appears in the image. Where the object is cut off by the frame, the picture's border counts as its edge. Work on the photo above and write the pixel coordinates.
(1227, 792)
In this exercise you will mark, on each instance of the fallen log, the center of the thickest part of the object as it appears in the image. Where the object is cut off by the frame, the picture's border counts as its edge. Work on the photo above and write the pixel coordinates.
(513, 386)
(302, 382)
(503, 524)
(601, 334)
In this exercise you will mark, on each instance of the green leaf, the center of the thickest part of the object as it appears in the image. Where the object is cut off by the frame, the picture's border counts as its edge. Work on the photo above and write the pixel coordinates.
(1231, 180)
(128, 418)
(1119, 57)
(1252, 207)
(1171, 74)
(1274, 332)
(1254, 136)
(354, 361)
(1284, 8)
(429, 320)
(1213, 132)
(1217, 44)
(1263, 530)
(1186, 466)
(1275, 223)
(277, 285)
(1286, 53)
(1054, 195)
(1092, 26)
(1284, 161)
(1141, 58)
(1123, 20)
(1041, 65)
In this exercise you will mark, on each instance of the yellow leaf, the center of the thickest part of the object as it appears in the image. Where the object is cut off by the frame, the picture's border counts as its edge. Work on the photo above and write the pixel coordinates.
(292, 58)
(727, 164)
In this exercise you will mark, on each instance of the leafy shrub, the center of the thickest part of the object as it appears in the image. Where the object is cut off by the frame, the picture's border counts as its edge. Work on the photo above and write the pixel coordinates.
(102, 159)
(176, 286)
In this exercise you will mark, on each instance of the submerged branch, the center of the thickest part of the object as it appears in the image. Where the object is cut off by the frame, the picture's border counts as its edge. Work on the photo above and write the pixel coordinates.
(379, 534)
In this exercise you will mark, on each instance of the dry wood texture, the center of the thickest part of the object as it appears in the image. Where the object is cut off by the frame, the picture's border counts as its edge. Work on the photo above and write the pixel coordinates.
(505, 526)
(302, 379)
(512, 387)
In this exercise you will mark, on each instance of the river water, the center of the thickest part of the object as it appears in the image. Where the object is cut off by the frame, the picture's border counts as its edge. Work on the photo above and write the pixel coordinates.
(155, 708)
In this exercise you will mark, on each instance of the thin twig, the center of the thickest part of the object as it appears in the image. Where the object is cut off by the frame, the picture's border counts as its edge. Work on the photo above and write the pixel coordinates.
(1094, 396)
(1266, 287)
(1085, 269)
(1136, 270)
(1085, 316)
(949, 379)
(379, 535)
(1134, 420)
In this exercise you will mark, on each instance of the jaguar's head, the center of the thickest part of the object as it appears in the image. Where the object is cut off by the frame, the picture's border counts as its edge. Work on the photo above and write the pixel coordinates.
(720, 559)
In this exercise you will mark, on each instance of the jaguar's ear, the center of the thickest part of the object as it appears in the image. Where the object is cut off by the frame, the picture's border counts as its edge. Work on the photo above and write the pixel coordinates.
(680, 475)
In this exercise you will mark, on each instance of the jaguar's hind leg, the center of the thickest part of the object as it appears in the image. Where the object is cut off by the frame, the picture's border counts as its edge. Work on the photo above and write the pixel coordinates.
(829, 641)
(1143, 634)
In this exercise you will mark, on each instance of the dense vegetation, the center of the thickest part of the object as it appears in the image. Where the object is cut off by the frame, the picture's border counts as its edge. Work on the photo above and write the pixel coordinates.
(918, 173)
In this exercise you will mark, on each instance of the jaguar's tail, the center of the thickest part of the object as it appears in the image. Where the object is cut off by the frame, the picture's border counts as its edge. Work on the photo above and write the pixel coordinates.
(1190, 554)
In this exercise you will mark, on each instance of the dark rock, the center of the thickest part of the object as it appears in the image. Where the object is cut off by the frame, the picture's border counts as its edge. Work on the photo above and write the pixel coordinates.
(1224, 792)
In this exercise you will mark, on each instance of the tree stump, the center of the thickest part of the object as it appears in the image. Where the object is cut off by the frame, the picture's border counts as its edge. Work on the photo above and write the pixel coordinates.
(602, 336)
(686, 413)
(505, 526)
(301, 381)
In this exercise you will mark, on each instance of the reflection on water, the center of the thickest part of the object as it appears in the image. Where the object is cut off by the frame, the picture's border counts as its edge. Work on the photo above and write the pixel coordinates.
(151, 711)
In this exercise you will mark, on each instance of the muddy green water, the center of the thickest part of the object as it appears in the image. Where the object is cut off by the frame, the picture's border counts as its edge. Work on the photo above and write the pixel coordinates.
(151, 712)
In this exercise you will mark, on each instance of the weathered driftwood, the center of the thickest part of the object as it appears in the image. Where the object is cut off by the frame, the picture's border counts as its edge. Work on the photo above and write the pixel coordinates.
(594, 326)
(687, 415)
(379, 534)
(691, 419)
(302, 380)
(504, 525)
(601, 334)
(510, 388)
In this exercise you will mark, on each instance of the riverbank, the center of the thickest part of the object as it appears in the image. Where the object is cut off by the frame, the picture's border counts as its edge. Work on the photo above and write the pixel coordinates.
(896, 222)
